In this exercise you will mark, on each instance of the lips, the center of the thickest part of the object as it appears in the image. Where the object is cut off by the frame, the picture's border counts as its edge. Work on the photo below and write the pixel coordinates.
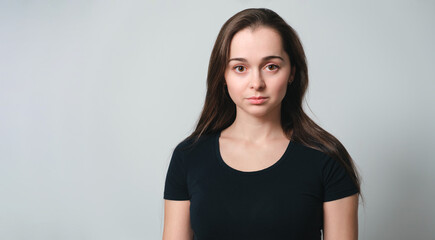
(256, 98)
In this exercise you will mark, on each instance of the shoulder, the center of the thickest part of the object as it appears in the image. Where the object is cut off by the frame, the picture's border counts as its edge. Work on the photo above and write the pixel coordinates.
(309, 153)
(193, 154)
(315, 158)
(190, 146)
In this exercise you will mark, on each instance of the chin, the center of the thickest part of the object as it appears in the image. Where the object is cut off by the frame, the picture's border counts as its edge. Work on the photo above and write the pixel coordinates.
(259, 112)
(262, 110)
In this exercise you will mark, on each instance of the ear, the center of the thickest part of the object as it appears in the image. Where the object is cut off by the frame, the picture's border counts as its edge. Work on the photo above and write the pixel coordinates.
(292, 74)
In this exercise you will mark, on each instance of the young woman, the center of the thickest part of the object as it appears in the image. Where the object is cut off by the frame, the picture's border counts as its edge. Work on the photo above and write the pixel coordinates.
(256, 166)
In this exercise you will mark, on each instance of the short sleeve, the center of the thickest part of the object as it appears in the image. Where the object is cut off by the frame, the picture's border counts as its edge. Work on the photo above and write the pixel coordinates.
(176, 178)
(337, 181)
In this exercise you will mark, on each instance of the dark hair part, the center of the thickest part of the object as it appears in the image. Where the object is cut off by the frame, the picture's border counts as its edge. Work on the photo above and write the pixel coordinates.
(219, 111)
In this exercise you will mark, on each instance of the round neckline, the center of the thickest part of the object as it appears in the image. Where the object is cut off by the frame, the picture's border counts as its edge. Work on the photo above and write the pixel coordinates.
(264, 170)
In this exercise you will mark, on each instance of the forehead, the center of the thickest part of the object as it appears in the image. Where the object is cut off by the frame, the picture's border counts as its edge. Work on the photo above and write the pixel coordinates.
(256, 43)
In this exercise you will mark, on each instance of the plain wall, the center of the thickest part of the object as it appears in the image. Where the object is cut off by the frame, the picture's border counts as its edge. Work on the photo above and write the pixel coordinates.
(94, 96)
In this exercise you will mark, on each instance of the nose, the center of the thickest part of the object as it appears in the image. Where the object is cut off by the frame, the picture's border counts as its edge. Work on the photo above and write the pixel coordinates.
(257, 81)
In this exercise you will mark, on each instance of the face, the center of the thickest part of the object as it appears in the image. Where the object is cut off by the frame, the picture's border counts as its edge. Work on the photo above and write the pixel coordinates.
(258, 66)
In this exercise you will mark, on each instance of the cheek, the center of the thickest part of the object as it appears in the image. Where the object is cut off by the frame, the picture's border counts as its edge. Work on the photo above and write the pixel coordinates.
(281, 88)
(235, 86)
(282, 91)
(234, 92)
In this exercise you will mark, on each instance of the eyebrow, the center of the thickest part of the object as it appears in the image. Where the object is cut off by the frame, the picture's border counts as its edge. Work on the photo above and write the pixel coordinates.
(264, 59)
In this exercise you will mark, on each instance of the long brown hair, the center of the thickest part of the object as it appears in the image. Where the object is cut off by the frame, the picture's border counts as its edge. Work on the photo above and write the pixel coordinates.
(219, 110)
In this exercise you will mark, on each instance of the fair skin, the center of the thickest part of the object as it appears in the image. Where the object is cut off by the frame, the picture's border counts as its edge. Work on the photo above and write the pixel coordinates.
(340, 219)
(177, 221)
(259, 66)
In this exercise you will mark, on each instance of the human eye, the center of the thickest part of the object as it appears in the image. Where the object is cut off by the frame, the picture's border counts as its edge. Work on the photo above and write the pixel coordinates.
(272, 67)
(239, 68)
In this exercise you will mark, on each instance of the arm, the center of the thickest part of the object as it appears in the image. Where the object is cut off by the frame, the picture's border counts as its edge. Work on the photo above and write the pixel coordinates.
(177, 221)
(341, 219)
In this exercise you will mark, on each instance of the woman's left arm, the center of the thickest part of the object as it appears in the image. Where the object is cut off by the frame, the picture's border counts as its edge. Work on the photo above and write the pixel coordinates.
(340, 219)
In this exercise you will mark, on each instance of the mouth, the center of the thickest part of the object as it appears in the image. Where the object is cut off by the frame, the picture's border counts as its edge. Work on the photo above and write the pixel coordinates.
(257, 100)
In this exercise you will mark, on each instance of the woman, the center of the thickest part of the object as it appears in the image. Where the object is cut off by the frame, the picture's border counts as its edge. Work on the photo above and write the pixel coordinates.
(256, 166)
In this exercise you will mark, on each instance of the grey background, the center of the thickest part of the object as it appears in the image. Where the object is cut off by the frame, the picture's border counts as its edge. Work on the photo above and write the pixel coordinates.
(94, 96)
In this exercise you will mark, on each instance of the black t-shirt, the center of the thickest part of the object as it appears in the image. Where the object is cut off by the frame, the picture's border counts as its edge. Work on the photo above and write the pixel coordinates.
(283, 201)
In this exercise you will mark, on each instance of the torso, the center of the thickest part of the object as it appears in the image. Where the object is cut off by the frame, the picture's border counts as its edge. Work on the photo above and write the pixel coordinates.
(283, 201)
(249, 157)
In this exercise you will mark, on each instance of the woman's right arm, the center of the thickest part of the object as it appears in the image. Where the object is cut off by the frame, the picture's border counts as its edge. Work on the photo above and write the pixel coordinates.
(177, 220)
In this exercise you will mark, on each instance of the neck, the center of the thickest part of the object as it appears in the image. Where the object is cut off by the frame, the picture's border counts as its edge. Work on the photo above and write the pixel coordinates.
(256, 128)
